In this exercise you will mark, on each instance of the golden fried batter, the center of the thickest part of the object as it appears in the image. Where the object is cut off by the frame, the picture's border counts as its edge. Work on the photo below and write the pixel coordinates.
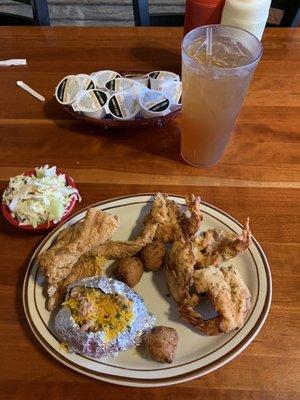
(87, 265)
(179, 269)
(116, 250)
(217, 246)
(192, 263)
(73, 254)
(173, 222)
(58, 260)
(229, 295)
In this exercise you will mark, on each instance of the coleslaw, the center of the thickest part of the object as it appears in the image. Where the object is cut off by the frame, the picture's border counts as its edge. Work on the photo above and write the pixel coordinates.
(40, 197)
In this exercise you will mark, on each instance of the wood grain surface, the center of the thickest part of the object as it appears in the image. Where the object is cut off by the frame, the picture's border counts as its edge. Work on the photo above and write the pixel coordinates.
(257, 176)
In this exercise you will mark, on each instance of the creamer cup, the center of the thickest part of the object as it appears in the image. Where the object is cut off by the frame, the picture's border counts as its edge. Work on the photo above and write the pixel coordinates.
(122, 84)
(123, 106)
(101, 77)
(140, 78)
(153, 103)
(173, 90)
(67, 90)
(157, 77)
(91, 103)
(85, 81)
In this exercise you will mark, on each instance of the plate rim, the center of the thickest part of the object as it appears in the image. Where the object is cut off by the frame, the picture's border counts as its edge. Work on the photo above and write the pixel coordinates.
(152, 382)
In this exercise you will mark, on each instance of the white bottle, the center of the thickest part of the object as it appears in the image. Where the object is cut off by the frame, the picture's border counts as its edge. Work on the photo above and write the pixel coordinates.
(250, 15)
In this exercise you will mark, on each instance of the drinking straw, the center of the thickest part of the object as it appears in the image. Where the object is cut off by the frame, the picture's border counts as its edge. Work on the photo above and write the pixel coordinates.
(209, 43)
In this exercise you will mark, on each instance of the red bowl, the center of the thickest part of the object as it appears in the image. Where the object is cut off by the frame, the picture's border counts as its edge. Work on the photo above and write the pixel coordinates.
(46, 226)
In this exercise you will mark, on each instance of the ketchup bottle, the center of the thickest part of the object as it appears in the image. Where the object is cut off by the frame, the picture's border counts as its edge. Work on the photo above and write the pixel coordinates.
(202, 12)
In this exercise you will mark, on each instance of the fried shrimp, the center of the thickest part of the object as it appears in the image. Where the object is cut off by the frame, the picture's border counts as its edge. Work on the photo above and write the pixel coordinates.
(217, 246)
(193, 267)
(229, 295)
(173, 222)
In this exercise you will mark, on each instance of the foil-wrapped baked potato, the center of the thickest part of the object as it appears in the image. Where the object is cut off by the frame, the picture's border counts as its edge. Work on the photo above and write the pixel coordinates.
(102, 316)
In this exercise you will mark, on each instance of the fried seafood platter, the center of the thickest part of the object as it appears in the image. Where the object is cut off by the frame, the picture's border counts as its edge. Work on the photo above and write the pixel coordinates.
(95, 282)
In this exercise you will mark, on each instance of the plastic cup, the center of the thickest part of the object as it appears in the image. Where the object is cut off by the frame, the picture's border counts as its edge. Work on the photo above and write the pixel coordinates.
(213, 88)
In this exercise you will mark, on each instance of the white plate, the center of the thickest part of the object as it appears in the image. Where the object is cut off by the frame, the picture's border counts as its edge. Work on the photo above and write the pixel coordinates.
(196, 354)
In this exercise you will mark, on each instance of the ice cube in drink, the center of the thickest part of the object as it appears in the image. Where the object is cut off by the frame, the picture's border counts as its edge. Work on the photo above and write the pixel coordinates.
(214, 87)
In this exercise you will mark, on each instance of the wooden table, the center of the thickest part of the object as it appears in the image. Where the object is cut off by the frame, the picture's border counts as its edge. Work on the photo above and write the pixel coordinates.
(257, 176)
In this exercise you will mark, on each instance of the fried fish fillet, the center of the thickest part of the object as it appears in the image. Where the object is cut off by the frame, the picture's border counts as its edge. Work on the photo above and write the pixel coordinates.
(87, 265)
(58, 260)
(91, 263)
(90, 258)
(116, 250)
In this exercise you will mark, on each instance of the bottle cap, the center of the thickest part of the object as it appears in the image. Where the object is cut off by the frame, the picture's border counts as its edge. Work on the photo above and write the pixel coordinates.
(206, 3)
(202, 12)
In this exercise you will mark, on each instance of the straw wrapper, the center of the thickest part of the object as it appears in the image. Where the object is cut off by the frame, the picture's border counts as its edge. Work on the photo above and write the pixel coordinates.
(14, 61)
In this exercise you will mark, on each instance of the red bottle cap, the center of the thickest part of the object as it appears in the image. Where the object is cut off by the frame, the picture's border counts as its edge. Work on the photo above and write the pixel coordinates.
(202, 12)
(206, 3)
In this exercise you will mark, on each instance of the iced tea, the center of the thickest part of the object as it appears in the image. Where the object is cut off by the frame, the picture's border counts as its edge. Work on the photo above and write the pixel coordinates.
(214, 87)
